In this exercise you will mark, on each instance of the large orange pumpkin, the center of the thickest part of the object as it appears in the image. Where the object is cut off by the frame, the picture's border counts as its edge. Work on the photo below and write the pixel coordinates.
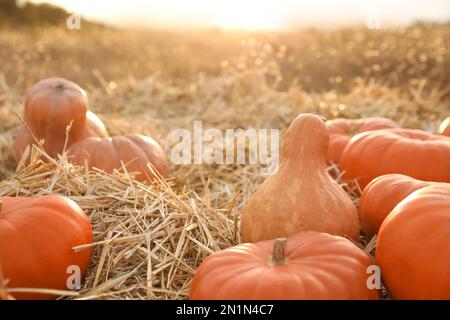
(444, 128)
(135, 151)
(381, 195)
(415, 153)
(37, 235)
(342, 130)
(413, 249)
(311, 266)
(301, 195)
(50, 106)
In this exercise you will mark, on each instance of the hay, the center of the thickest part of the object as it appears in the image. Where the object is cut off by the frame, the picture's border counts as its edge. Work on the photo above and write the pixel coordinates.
(148, 239)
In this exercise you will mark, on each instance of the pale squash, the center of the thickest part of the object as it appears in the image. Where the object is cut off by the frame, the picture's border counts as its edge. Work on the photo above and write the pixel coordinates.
(301, 195)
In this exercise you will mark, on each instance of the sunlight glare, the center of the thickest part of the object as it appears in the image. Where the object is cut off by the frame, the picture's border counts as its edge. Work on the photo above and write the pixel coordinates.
(247, 15)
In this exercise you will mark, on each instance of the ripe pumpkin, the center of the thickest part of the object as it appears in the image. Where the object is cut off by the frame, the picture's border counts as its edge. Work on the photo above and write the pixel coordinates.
(381, 195)
(301, 195)
(444, 128)
(342, 130)
(412, 245)
(50, 106)
(415, 153)
(134, 150)
(37, 235)
(94, 127)
(311, 265)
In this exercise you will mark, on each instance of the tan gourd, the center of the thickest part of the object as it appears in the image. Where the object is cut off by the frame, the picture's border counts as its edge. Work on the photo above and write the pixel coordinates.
(301, 195)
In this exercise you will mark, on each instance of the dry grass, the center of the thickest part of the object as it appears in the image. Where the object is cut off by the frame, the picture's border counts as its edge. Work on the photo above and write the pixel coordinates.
(150, 238)
(312, 59)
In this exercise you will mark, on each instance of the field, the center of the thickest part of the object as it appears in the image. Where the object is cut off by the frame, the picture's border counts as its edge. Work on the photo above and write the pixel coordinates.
(149, 239)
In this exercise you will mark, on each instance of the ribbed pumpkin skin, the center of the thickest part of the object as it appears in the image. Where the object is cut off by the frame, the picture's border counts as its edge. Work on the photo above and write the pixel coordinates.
(134, 150)
(21, 141)
(50, 106)
(319, 266)
(342, 130)
(412, 246)
(414, 153)
(301, 195)
(381, 195)
(37, 235)
(444, 128)
(94, 127)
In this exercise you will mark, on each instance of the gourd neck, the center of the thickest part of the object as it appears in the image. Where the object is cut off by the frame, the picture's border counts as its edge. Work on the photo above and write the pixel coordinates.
(305, 164)
(279, 253)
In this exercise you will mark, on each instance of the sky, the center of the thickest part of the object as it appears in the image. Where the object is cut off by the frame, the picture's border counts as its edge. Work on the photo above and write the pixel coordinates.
(257, 14)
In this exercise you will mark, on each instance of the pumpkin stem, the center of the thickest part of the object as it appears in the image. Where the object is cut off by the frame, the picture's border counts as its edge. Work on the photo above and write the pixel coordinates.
(60, 87)
(279, 252)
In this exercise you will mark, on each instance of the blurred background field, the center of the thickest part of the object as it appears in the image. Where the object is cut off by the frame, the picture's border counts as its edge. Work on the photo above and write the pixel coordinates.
(154, 80)
(169, 75)
(35, 44)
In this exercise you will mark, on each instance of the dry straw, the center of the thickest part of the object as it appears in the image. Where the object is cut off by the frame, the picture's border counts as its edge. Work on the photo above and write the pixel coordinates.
(149, 239)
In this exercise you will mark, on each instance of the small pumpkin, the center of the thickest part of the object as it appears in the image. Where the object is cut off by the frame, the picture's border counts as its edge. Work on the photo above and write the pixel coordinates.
(444, 128)
(301, 195)
(50, 106)
(135, 151)
(381, 195)
(414, 153)
(37, 235)
(94, 127)
(412, 245)
(342, 130)
(306, 266)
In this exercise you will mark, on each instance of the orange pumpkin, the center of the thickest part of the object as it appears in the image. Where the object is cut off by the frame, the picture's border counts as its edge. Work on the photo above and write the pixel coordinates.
(94, 128)
(444, 128)
(415, 153)
(342, 130)
(412, 245)
(51, 105)
(301, 195)
(311, 265)
(381, 195)
(135, 151)
(37, 235)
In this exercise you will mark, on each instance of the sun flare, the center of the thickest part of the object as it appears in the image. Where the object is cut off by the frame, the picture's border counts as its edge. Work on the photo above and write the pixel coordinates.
(247, 15)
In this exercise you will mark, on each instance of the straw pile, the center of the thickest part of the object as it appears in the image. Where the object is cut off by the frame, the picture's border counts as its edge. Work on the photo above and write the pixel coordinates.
(149, 239)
